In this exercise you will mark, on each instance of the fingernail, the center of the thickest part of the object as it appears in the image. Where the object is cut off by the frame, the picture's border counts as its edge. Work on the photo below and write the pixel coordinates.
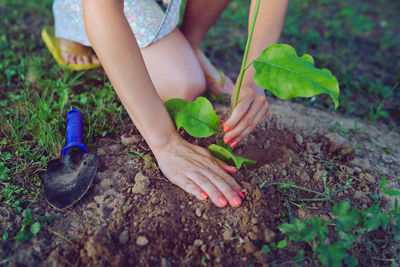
(236, 200)
(233, 169)
(226, 129)
(222, 200)
(227, 140)
(234, 143)
(240, 193)
(203, 195)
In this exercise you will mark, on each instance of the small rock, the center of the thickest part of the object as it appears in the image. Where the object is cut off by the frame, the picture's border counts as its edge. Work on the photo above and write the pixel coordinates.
(198, 242)
(269, 236)
(357, 169)
(227, 234)
(313, 148)
(253, 236)
(198, 212)
(101, 151)
(205, 217)
(304, 176)
(369, 178)
(299, 139)
(142, 241)
(255, 229)
(91, 205)
(261, 256)
(203, 248)
(217, 251)
(105, 183)
(124, 237)
(130, 139)
(115, 148)
(254, 220)
(190, 203)
(141, 186)
(249, 247)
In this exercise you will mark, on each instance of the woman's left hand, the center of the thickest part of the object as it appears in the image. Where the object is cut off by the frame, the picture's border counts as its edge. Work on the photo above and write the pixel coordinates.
(252, 109)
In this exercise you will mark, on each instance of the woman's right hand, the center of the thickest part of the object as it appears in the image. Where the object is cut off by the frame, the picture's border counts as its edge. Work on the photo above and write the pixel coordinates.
(196, 171)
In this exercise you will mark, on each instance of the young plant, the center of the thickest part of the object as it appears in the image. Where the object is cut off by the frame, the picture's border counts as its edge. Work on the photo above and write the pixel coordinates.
(278, 69)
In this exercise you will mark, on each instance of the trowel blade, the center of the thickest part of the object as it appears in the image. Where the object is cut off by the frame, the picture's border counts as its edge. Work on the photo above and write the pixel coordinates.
(67, 179)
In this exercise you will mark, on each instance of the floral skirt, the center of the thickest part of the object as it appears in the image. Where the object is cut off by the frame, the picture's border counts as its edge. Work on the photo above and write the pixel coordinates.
(150, 20)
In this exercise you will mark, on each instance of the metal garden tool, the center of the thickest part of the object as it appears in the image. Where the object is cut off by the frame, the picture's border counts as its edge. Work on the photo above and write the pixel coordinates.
(67, 179)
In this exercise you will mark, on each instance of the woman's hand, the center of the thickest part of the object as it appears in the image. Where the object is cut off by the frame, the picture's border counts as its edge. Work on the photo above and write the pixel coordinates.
(196, 171)
(252, 108)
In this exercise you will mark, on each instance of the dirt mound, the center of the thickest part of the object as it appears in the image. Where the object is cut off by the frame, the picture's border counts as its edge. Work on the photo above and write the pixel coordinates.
(133, 215)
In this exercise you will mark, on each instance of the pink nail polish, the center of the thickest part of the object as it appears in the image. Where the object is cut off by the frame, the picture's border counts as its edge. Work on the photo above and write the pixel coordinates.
(227, 140)
(240, 193)
(226, 129)
(222, 200)
(234, 143)
(236, 200)
(221, 123)
(203, 195)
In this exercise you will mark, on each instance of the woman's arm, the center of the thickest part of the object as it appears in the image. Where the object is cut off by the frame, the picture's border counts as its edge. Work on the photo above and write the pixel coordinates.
(252, 105)
(190, 167)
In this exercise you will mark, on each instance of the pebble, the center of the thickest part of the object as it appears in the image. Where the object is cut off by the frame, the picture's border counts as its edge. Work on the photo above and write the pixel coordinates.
(142, 241)
(124, 237)
(249, 247)
(253, 236)
(227, 234)
(269, 235)
(369, 178)
(198, 243)
(141, 186)
(205, 216)
(299, 139)
(130, 139)
(198, 212)
(190, 203)
(101, 151)
(254, 220)
(357, 169)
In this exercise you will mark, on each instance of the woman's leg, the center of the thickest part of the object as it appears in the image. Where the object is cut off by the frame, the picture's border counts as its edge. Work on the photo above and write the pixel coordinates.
(174, 68)
(199, 16)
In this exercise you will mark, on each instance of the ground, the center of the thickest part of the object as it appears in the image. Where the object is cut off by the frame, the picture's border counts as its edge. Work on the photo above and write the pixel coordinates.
(133, 215)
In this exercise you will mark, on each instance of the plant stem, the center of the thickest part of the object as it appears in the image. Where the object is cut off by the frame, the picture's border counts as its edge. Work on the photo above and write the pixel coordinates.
(246, 52)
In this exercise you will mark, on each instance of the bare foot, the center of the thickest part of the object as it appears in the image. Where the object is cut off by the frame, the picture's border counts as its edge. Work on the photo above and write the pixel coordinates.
(76, 53)
(209, 70)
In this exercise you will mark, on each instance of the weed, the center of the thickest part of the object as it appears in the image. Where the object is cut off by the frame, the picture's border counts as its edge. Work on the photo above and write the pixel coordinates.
(349, 225)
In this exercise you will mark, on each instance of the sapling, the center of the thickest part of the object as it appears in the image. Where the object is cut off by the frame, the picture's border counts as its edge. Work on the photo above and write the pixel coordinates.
(278, 69)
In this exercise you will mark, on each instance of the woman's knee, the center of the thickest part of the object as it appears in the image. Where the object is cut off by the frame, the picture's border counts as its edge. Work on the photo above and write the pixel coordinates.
(187, 87)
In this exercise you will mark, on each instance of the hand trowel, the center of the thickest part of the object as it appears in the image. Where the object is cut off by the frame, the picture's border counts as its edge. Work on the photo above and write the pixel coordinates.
(68, 178)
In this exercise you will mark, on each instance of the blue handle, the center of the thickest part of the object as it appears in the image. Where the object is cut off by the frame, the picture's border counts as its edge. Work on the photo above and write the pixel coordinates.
(74, 131)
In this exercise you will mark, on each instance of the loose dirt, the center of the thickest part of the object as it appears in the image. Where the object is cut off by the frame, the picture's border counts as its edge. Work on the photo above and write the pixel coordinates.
(132, 215)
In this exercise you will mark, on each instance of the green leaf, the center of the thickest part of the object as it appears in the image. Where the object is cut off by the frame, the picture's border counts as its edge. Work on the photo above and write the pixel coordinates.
(373, 218)
(282, 244)
(392, 192)
(383, 183)
(35, 228)
(345, 217)
(227, 156)
(347, 239)
(265, 248)
(4, 236)
(198, 118)
(281, 71)
(350, 261)
(294, 231)
(27, 213)
(331, 255)
(23, 236)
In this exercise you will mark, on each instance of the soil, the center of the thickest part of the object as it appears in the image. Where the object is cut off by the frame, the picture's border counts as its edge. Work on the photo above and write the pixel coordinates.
(132, 215)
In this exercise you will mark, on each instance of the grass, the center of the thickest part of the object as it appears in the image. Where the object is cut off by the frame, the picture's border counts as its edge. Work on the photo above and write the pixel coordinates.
(356, 39)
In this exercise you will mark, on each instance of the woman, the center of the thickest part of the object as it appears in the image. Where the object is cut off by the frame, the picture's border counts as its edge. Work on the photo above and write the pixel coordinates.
(148, 60)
